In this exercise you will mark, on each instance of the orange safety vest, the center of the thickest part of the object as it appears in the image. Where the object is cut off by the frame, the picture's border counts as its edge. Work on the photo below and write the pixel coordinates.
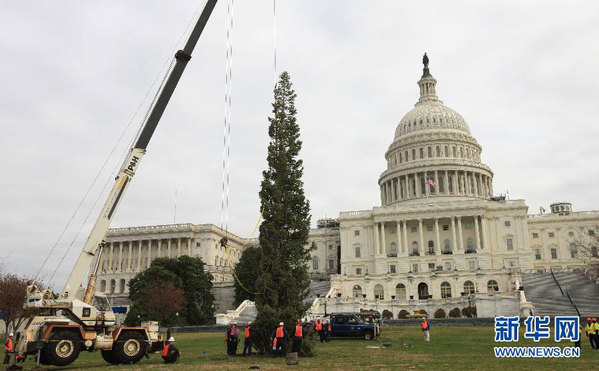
(280, 332)
(329, 327)
(425, 325)
(247, 332)
(298, 331)
(274, 342)
(8, 344)
(318, 326)
(232, 332)
(165, 350)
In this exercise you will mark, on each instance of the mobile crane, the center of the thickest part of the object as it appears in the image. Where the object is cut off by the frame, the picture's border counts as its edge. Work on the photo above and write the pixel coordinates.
(58, 329)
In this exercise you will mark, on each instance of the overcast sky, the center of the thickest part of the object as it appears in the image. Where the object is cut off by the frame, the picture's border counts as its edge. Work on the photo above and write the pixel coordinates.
(522, 73)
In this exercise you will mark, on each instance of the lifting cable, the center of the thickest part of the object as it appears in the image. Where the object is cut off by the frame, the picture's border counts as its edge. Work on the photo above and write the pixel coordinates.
(274, 33)
(224, 218)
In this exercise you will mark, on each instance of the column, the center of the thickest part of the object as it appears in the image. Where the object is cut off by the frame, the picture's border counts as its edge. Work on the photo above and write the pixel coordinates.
(129, 257)
(454, 246)
(178, 247)
(189, 246)
(376, 238)
(477, 247)
(159, 243)
(438, 240)
(383, 248)
(139, 243)
(168, 247)
(437, 188)
(399, 243)
(405, 236)
(417, 185)
(456, 186)
(475, 181)
(460, 235)
(446, 176)
(421, 237)
(111, 257)
(485, 232)
(120, 265)
(149, 253)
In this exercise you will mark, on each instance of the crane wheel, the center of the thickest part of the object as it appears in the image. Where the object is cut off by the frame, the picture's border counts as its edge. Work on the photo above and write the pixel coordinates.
(62, 349)
(110, 357)
(130, 347)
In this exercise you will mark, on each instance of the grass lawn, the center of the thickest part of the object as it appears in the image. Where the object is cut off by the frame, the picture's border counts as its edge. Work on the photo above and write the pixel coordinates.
(451, 348)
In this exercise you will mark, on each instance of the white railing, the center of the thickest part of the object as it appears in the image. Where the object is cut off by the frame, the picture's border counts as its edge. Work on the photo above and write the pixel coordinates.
(226, 318)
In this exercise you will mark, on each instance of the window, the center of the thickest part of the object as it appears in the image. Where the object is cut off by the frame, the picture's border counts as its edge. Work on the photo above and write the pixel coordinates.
(551, 234)
(446, 151)
(400, 158)
(553, 253)
(538, 254)
(393, 230)
(455, 154)
(571, 234)
(446, 245)
(507, 223)
(315, 263)
(392, 268)
(400, 291)
(358, 271)
(469, 244)
(492, 286)
(430, 152)
(472, 265)
(469, 287)
(509, 243)
(445, 227)
(415, 267)
(447, 266)
(198, 244)
(357, 291)
(445, 290)
(421, 152)
(379, 292)
(573, 251)
(429, 228)
(535, 235)
(468, 225)
(330, 247)
(331, 264)
(393, 250)
(594, 251)
(413, 229)
(356, 232)
(415, 248)
(431, 267)
(438, 151)
(358, 255)
(406, 155)
(414, 154)
(591, 232)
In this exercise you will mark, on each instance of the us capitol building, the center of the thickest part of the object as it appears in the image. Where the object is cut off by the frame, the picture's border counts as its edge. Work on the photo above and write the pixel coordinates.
(440, 243)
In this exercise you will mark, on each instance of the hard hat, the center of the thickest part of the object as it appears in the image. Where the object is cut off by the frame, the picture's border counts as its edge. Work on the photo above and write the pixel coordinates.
(594, 319)
(588, 319)
(249, 323)
(171, 339)
(233, 322)
(281, 323)
(11, 334)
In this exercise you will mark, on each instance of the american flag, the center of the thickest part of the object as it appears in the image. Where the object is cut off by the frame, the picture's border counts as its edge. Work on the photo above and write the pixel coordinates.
(431, 182)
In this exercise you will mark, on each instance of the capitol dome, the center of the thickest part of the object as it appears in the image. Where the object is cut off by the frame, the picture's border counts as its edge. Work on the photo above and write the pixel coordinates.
(433, 153)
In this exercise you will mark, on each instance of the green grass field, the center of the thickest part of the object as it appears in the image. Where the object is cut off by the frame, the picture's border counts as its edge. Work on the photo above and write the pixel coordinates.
(451, 348)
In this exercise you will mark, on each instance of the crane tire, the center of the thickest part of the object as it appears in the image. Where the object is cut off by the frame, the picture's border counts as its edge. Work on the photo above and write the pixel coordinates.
(62, 349)
(130, 347)
(110, 357)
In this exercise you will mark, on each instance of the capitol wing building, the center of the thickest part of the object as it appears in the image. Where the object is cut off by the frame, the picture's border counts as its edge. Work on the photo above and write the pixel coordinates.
(440, 243)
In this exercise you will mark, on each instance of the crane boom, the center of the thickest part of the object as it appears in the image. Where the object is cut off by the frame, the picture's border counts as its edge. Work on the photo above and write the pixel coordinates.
(126, 173)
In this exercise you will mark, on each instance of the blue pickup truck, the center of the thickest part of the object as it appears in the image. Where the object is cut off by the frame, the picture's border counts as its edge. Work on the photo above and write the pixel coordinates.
(350, 325)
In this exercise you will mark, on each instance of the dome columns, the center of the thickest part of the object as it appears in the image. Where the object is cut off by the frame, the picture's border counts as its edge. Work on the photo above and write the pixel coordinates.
(436, 183)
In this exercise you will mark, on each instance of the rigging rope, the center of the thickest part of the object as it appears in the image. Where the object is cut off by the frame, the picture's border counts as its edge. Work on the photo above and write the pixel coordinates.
(274, 33)
(224, 220)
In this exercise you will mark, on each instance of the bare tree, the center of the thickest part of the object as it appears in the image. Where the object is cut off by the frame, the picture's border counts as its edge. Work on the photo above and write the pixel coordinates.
(12, 297)
(587, 248)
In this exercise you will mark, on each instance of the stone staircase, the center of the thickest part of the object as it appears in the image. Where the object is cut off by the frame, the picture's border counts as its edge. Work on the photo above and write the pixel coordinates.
(318, 288)
(544, 293)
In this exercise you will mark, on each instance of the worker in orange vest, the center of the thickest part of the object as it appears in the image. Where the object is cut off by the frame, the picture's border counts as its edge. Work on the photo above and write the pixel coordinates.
(281, 338)
(8, 348)
(426, 326)
(170, 353)
(249, 333)
(232, 338)
(327, 331)
(298, 337)
(318, 328)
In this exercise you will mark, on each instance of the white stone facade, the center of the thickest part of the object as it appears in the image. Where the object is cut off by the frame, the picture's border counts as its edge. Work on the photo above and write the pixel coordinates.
(441, 241)
(129, 251)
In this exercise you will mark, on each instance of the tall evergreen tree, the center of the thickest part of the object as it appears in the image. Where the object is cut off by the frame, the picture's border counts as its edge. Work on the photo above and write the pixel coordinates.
(283, 280)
